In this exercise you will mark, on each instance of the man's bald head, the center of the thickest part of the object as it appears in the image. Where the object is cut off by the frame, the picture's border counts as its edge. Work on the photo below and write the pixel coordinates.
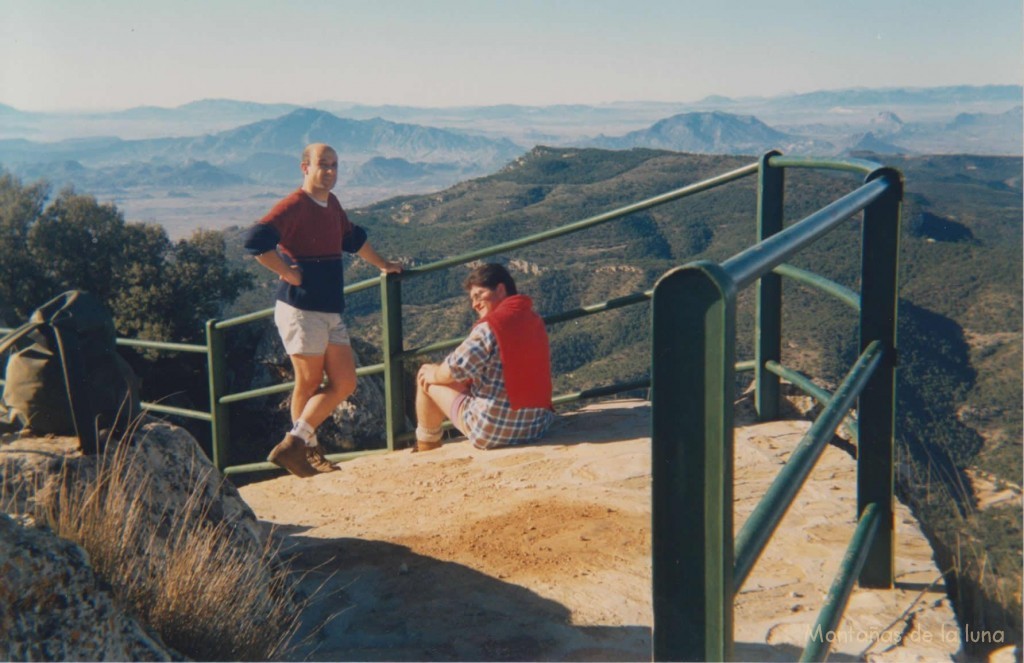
(314, 151)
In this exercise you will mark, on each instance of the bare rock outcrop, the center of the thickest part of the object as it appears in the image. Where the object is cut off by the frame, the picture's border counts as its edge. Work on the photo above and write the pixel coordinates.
(60, 602)
(167, 471)
(54, 608)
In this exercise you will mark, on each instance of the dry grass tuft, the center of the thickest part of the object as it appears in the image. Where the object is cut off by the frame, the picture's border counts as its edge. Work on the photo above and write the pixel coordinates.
(208, 595)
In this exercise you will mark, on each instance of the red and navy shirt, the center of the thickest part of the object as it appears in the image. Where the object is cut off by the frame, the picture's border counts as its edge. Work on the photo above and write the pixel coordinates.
(312, 237)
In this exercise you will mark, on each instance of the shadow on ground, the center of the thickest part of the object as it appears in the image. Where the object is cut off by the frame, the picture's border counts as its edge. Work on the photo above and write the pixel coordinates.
(377, 601)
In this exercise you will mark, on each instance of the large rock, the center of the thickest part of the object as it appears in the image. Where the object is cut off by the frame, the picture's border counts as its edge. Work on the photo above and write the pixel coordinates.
(167, 471)
(168, 503)
(54, 608)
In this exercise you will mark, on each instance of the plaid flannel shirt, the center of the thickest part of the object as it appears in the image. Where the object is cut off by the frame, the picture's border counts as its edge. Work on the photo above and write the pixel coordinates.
(489, 416)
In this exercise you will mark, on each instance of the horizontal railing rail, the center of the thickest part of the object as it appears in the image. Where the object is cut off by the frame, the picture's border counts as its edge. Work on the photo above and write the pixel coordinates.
(589, 222)
(837, 291)
(749, 265)
(564, 316)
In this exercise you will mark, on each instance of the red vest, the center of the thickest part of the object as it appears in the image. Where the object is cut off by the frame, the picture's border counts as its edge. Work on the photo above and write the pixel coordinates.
(525, 353)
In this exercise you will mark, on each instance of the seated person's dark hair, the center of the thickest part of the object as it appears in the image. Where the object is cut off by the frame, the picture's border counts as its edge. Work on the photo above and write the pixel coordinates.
(488, 276)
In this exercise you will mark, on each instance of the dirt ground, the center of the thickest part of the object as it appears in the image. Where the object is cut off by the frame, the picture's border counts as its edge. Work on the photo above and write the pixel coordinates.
(543, 552)
(461, 554)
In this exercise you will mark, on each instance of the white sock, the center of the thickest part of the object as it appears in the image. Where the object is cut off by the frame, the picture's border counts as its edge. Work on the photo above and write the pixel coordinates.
(304, 431)
(428, 434)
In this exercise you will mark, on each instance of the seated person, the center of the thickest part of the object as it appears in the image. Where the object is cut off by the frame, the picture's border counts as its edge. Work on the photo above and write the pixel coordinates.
(496, 386)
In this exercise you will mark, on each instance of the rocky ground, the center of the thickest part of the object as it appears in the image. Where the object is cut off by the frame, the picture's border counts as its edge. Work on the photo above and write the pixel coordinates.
(543, 552)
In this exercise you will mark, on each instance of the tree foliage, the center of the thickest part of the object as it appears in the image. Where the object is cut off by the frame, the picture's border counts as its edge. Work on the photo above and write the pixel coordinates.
(156, 288)
(17, 204)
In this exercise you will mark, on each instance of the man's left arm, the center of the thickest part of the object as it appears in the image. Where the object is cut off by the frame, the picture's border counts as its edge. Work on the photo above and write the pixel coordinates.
(367, 253)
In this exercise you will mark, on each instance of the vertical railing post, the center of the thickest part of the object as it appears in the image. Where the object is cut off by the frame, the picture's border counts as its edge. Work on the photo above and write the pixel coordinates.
(692, 392)
(768, 341)
(391, 340)
(877, 404)
(220, 425)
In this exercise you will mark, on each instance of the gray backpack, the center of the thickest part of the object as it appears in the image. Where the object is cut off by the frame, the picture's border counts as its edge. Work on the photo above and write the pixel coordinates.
(67, 377)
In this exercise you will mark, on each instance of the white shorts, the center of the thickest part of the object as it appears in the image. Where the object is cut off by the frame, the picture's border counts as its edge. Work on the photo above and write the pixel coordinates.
(308, 332)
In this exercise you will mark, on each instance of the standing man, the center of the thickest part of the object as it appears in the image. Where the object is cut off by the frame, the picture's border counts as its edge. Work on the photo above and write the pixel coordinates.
(496, 386)
(302, 240)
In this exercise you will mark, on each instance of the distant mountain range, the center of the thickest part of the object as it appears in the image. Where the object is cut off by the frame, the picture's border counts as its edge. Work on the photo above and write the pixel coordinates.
(384, 171)
(393, 150)
(714, 132)
(957, 94)
(262, 152)
(869, 142)
(529, 125)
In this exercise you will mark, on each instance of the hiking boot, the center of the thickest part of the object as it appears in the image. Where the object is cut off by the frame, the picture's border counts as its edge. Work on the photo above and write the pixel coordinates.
(315, 457)
(426, 446)
(290, 454)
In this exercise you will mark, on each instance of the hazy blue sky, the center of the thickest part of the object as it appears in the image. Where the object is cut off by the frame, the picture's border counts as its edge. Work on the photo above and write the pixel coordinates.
(91, 54)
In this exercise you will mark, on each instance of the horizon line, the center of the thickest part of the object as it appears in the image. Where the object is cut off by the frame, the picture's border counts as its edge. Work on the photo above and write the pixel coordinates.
(356, 104)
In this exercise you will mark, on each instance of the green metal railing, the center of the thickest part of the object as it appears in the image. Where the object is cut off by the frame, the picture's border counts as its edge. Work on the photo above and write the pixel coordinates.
(392, 341)
(698, 566)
